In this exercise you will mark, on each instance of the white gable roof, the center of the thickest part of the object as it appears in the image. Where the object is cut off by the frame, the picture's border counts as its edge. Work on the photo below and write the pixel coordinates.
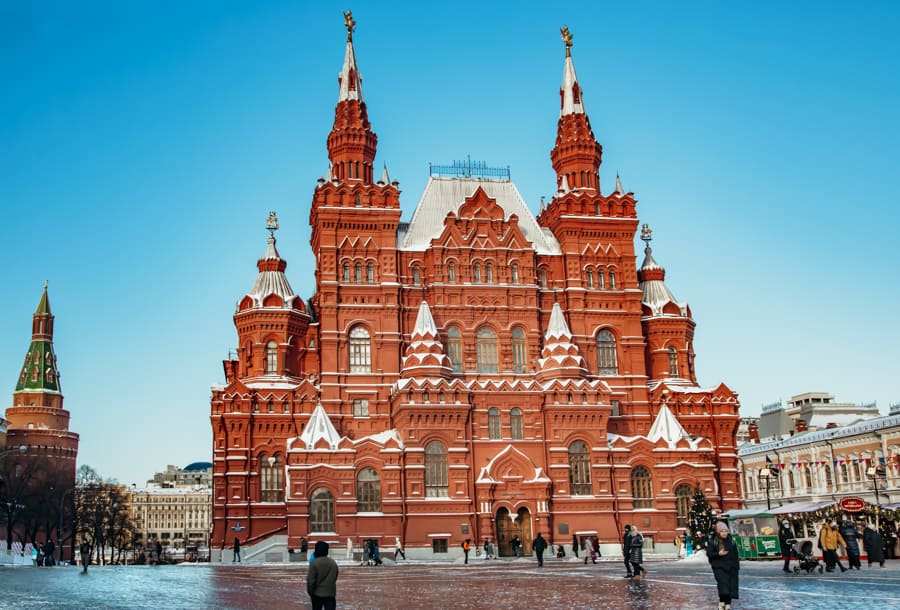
(319, 427)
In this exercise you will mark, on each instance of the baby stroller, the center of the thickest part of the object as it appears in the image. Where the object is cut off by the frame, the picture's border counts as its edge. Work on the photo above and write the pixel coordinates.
(803, 553)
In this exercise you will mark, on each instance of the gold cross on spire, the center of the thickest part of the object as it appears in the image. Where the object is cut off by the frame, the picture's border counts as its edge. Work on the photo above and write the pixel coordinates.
(567, 39)
(349, 24)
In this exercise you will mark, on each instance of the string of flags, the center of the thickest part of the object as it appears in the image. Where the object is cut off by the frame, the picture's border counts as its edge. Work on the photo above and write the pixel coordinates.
(893, 461)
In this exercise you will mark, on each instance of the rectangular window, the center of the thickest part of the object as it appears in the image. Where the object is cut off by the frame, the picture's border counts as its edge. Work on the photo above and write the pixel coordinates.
(439, 545)
(360, 407)
(615, 408)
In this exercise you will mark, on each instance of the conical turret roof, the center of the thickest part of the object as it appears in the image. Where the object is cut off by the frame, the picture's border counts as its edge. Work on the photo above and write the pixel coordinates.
(39, 372)
(425, 354)
(560, 357)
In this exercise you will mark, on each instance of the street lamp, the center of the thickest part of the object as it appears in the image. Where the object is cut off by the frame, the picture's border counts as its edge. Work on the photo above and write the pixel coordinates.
(875, 473)
(62, 506)
(766, 475)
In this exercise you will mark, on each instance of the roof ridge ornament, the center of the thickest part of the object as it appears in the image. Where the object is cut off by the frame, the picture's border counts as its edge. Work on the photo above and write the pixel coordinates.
(349, 24)
(567, 39)
(272, 223)
(646, 233)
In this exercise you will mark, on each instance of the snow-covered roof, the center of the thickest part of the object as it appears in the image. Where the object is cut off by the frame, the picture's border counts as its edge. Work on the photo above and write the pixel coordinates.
(666, 427)
(803, 438)
(382, 438)
(444, 195)
(571, 95)
(656, 295)
(271, 278)
(350, 78)
(319, 427)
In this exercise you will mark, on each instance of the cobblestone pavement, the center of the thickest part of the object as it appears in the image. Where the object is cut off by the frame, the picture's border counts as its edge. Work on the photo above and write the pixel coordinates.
(429, 585)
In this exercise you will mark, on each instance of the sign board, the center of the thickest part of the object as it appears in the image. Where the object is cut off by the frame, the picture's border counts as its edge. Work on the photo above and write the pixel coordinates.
(853, 504)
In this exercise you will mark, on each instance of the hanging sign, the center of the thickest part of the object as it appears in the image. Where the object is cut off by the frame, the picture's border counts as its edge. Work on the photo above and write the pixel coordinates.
(853, 504)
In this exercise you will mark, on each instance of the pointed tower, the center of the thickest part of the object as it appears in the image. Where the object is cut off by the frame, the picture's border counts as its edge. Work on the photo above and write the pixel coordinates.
(560, 358)
(577, 153)
(351, 143)
(667, 324)
(425, 354)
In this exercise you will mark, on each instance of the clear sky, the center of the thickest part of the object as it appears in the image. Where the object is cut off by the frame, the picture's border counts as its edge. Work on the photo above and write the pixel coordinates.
(142, 145)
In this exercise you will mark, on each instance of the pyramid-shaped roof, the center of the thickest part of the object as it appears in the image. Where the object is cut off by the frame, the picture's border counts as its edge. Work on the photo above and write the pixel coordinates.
(319, 427)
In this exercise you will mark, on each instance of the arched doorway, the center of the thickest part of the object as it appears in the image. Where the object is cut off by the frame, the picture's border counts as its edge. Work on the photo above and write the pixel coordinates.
(508, 528)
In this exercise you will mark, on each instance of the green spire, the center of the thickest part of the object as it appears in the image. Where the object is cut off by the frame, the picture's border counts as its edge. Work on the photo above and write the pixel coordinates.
(39, 372)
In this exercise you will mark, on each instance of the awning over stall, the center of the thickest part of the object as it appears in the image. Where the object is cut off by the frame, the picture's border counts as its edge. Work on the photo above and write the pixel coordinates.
(802, 507)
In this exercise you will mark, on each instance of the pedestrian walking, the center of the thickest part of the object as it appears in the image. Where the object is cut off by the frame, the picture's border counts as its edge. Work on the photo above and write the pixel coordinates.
(851, 536)
(85, 552)
(626, 550)
(398, 548)
(785, 535)
(304, 545)
(157, 550)
(679, 545)
(49, 548)
(688, 544)
(873, 544)
(829, 539)
(539, 545)
(321, 579)
(637, 554)
(236, 549)
(516, 544)
(722, 554)
(575, 544)
(349, 548)
(465, 548)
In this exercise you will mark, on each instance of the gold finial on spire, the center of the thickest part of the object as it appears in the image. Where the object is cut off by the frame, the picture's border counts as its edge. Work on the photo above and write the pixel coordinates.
(349, 24)
(567, 39)
(272, 223)
(646, 233)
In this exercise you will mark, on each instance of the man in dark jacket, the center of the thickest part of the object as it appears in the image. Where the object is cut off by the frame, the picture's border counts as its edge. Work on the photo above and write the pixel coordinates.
(874, 545)
(850, 534)
(626, 550)
(539, 545)
(321, 579)
(784, 536)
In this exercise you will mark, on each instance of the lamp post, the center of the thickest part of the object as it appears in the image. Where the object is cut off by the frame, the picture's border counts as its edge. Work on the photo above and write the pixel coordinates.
(62, 507)
(876, 472)
(766, 475)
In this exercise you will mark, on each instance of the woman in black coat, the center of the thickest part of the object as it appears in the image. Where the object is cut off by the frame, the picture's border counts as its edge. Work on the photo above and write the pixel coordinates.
(874, 545)
(636, 553)
(849, 533)
(723, 557)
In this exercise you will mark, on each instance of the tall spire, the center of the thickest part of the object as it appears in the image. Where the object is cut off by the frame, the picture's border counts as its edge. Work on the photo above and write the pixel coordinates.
(577, 155)
(351, 143)
(39, 372)
(560, 357)
(271, 280)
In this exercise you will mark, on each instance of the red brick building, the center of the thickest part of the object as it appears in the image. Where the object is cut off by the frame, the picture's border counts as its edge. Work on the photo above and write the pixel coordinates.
(474, 372)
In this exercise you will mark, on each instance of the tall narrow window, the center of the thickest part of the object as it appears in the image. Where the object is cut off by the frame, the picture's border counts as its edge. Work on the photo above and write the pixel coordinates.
(543, 278)
(436, 482)
(360, 350)
(641, 488)
(476, 273)
(673, 362)
(580, 469)
(607, 363)
(486, 343)
(515, 423)
(829, 481)
(515, 273)
(520, 350)
(345, 273)
(271, 478)
(357, 273)
(600, 280)
(370, 273)
(271, 358)
(683, 495)
(493, 424)
(612, 280)
(489, 273)
(845, 473)
(451, 273)
(455, 349)
(368, 491)
(417, 277)
(589, 278)
(321, 511)
(807, 477)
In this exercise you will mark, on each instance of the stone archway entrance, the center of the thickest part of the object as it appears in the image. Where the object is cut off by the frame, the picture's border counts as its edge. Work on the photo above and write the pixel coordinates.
(508, 528)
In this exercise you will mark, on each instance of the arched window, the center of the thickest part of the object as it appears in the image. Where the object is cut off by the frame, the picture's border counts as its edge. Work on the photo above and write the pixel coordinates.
(436, 484)
(580, 469)
(271, 358)
(520, 350)
(683, 494)
(417, 278)
(791, 483)
(515, 423)
(673, 362)
(345, 275)
(589, 278)
(370, 273)
(600, 280)
(357, 273)
(271, 478)
(543, 278)
(857, 473)
(829, 481)
(515, 273)
(476, 273)
(807, 477)
(368, 491)
(845, 473)
(493, 423)
(486, 344)
(607, 363)
(455, 349)
(612, 280)
(641, 487)
(360, 350)
(451, 273)
(321, 511)
(489, 273)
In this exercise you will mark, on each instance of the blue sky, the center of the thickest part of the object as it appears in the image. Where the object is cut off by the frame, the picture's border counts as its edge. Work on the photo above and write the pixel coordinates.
(142, 145)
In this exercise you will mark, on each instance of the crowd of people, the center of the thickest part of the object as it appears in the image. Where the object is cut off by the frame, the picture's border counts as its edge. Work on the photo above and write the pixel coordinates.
(834, 537)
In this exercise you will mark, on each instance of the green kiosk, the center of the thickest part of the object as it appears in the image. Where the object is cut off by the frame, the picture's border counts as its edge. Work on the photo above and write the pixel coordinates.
(755, 532)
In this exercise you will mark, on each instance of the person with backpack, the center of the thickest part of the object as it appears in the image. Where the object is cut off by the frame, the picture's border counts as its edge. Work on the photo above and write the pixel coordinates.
(465, 548)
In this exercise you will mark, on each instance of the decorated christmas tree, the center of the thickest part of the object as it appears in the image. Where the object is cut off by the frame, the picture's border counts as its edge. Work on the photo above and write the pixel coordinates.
(701, 521)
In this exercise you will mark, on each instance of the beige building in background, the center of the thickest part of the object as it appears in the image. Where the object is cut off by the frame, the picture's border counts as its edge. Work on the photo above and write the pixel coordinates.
(176, 517)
